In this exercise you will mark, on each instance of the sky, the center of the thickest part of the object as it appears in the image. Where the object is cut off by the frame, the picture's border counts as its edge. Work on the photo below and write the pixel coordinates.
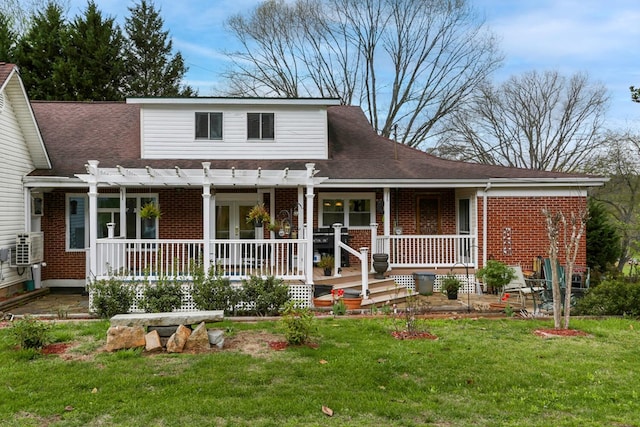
(599, 37)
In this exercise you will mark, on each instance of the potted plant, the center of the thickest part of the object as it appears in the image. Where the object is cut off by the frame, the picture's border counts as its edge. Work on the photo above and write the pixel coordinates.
(495, 275)
(326, 263)
(258, 214)
(450, 286)
(150, 211)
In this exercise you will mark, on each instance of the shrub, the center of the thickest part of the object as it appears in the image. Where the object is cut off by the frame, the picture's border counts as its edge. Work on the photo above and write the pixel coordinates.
(214, 293)
(609, 298)
(264, 296)
(298, 323)
(162, 297)
(31, 333)
(111, 297)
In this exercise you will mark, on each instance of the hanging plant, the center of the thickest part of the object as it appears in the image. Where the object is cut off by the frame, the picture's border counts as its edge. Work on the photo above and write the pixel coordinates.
(258, 214)
(150, 211)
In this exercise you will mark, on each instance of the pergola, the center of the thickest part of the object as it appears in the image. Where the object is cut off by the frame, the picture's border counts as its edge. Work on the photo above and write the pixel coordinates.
(206, 178)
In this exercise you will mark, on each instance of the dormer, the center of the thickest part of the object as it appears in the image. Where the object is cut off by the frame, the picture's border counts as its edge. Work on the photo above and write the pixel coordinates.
(233, 128)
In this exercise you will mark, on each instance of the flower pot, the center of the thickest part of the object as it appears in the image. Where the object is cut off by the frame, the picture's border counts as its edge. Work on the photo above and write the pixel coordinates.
(380, 265)
(352, 303)
(327, 272)
(452, 294)
(322, 302)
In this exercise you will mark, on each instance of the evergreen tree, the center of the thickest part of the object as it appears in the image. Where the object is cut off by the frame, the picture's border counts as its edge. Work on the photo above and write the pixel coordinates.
(94, 66)
(7, 39)
(39, 54)
(603, 239)
(151, 70)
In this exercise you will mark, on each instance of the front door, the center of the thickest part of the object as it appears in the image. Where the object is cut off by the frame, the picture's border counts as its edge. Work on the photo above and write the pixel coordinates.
(231, 224)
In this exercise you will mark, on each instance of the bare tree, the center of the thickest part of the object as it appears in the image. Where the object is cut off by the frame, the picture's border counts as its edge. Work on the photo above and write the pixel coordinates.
(568, 233)
(620, 161)
(409, 63)
(541, 121)
(21, 12)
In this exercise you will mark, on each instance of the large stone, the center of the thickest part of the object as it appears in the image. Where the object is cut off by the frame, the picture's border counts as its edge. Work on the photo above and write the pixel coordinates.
(167, 319)
(165, 331)
(216, 337)
(198, 340)
(178, 340)
(152, 341)
(121, 337)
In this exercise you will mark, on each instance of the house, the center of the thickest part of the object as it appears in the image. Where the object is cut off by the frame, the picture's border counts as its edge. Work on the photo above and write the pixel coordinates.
(329, 182)
(21, 151)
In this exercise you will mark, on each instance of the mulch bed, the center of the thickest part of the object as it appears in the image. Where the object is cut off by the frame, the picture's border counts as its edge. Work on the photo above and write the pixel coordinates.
(58, 348)
(281, 345)
(551, 333)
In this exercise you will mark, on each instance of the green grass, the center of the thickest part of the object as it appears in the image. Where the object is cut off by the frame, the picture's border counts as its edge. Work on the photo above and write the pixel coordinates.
(478, 373)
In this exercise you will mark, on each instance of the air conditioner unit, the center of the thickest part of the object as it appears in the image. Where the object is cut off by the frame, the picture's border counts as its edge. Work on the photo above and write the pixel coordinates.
(29, 249)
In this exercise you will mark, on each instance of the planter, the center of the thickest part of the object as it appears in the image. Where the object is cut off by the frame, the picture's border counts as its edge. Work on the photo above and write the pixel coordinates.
(452, 294)
(322, 302)
(352, 303)
(327, 272)
(380, 265)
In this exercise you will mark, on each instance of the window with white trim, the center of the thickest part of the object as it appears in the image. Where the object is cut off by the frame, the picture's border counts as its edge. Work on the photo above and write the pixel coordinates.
(260, 126)
(208, 125)
(77, 218)
(352, 210)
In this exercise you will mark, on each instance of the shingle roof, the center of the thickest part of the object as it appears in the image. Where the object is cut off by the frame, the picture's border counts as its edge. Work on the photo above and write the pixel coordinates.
(75, 132)
(5, 70)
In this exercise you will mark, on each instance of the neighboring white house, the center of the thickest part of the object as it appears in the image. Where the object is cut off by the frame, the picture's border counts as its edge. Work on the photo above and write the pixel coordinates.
(21, 151)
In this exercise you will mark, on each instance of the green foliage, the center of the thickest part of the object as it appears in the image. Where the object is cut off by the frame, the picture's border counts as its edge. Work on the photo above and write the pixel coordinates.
(339, 308)
(450, 283)
(111, 296)
(161, 297)
(151, 68)
(611, 297)
(214, 292)
(7, 39)
(31, 333)
(264, 296)
(297, 323)
(603, 239)
(496, 274)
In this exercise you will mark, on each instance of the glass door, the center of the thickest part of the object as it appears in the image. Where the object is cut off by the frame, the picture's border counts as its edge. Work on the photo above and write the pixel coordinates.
(231, 224)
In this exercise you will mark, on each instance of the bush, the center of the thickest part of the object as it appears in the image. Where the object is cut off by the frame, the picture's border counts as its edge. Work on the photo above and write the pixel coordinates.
(162, 297)
(610, 298)
(264, 297)
(111, 297)
(298, 323)
(31, 333)
(214, 293)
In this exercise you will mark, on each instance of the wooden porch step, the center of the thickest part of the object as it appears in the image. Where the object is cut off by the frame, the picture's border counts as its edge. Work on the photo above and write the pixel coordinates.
(381, 291)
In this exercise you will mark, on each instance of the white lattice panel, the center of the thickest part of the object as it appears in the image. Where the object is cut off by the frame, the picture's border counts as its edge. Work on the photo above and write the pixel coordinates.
(468, 284)
(298, 292)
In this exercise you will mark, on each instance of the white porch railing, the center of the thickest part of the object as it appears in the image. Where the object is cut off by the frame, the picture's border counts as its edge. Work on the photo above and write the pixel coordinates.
(428, 251)
(138, 258)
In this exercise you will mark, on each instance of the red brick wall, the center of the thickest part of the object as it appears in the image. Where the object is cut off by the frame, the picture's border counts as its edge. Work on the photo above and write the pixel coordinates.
(523, 215)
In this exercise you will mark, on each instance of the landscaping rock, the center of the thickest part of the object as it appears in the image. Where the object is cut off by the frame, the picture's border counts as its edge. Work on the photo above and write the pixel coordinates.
(167, 319)
(178, 340)
(216, 337)
(198, 340)
(152, 341)
(121, 337)
(166, 331)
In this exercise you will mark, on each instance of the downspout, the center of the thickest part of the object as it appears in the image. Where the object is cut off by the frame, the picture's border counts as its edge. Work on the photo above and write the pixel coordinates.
(484, 222)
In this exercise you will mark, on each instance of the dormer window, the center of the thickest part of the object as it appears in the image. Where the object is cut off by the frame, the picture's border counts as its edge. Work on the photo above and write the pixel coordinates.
(260, 126)
(208, 125)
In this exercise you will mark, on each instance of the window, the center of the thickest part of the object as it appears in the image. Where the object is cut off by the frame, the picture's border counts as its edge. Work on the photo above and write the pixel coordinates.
(108, 211)
(208, 125)
(351, 210)
(260, 125)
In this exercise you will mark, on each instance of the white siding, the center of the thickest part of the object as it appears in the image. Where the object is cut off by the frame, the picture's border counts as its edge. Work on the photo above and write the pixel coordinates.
(15, 162)
(169, 132)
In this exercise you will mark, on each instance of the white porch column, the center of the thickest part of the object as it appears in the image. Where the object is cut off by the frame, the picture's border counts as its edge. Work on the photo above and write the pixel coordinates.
(386, 200)
(206, 227)
(123, 211)
(374, 234)
(93, 218)
(301, 212)
(309, 222)
(337, 250)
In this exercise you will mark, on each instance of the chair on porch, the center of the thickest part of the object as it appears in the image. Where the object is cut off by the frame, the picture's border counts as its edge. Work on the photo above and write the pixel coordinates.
(521, 287)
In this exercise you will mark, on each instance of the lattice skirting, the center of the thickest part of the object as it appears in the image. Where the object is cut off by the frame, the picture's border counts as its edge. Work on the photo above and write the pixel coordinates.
(469, 284)
(302, 293)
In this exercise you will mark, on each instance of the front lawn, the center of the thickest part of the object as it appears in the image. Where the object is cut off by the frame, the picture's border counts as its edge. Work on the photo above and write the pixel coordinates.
(478, 373)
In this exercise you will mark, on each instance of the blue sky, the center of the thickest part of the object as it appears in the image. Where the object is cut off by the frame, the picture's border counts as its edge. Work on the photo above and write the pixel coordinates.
(599, 37)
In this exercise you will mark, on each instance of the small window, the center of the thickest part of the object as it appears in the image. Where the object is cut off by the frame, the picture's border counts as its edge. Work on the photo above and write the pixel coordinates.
(208, 125)
(260, 125)
(349, 209)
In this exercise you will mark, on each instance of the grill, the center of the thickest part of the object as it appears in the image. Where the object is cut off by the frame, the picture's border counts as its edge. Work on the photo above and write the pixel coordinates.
(323, 242)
